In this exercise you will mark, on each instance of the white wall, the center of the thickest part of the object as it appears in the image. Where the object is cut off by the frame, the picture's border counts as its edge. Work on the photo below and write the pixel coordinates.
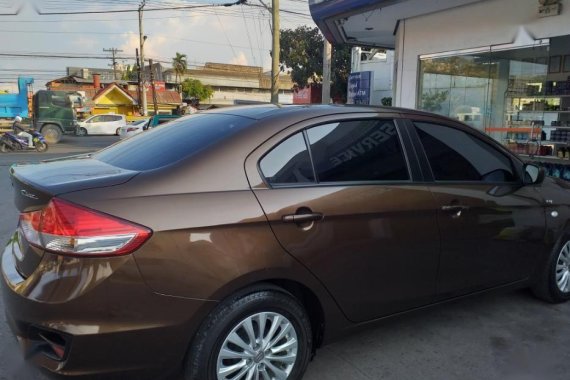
(382, 65)
(490, 22)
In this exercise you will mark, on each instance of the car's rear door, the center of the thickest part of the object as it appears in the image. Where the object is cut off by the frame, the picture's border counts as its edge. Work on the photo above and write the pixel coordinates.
(341, 196)
(492, 227)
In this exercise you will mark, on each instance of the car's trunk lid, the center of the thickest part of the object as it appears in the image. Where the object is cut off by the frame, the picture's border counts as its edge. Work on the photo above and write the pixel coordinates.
(34, 186)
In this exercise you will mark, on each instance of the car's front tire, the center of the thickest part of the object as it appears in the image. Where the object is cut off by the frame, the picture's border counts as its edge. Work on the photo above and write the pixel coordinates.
(553, 282)
(262, 334)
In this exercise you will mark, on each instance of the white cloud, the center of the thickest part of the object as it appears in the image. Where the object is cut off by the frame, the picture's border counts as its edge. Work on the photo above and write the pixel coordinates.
(241, 59)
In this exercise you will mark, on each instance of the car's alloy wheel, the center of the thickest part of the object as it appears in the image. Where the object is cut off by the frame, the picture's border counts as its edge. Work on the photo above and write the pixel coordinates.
(262, 346)
(552, 282)
(563, 269)
(262, 334)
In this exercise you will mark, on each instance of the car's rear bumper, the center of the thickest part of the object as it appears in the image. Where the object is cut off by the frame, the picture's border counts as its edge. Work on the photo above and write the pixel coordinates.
(96, 316)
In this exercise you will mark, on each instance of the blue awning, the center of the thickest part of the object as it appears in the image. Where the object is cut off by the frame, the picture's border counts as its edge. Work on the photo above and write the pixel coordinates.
(371, 22)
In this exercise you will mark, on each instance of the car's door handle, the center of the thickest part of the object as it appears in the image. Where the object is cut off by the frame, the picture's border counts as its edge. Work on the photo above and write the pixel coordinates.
(302, 218)
(454, 210)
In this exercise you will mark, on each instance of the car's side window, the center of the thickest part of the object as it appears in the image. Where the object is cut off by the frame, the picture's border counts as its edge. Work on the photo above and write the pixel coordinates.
(358, 150)
(96, 119)
(455, 155)
(288, 162)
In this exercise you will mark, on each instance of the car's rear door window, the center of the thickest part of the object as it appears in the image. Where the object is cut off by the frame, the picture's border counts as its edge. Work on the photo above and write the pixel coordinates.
(288, 162)
(455, 155)
(358, 151)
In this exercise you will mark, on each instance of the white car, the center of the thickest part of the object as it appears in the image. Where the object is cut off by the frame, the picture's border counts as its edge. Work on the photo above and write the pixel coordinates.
(133, 128)
(108, 124)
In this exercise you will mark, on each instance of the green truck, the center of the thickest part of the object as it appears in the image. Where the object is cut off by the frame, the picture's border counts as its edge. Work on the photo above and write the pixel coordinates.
(54, 114)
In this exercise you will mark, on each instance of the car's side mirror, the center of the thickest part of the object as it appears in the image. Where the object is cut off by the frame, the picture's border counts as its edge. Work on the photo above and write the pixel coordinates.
(533, 174)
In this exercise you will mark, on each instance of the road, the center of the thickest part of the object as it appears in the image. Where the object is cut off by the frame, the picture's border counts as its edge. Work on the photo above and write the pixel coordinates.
(499, 336)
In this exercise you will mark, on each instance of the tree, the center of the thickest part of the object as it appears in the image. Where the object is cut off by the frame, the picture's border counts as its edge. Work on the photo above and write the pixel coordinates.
(193, 88)
(302, 52)
(129, 73)
(179, 64)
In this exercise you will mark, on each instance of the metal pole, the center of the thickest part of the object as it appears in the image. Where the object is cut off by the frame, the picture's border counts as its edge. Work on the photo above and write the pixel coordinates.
(152, 88)
(326, 94)
(139, 83)
(113, 51)
(275, 53)
(141, 41)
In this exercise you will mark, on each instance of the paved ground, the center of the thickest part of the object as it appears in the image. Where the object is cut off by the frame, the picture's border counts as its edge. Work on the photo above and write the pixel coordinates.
(506, 336)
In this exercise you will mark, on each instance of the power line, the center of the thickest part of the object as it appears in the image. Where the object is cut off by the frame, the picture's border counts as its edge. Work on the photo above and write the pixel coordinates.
(173, 8)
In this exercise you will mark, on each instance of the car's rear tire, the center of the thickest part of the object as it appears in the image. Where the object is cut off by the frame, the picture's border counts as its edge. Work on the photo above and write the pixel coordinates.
(52, 133)
(273, 335)
(553, 281)
(118, 131)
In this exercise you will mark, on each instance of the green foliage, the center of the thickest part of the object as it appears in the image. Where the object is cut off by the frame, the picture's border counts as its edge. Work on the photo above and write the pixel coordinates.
(193, 88)
(130, 74)
(387, 101)
(431, 101)
(179, 64)
(340, 69)
(302, 52)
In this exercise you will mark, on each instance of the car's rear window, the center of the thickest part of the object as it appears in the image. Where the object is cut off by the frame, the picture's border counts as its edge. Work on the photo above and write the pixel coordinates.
(168, 143)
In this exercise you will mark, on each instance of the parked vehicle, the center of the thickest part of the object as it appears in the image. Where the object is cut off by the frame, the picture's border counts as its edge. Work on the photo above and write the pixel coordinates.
(160, 119)
(136, 128)
(108, 124)
(238, 241)
(11, 142)
(132, 129)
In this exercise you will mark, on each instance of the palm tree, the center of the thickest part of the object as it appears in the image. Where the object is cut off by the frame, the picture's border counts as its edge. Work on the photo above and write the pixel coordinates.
(179, 64)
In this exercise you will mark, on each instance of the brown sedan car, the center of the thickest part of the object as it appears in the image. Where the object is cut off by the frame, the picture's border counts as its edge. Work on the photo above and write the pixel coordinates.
(234, 243)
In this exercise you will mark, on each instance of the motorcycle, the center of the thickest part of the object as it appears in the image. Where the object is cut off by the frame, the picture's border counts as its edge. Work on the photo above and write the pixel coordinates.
(12, 142)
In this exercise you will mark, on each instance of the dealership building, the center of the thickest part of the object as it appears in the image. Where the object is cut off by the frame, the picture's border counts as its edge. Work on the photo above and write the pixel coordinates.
(501, 66)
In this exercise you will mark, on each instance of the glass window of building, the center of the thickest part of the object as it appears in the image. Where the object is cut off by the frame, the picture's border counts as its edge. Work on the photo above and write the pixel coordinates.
(519, 96)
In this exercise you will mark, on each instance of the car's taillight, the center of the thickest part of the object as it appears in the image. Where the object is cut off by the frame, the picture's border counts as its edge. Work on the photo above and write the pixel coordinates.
(66, 228)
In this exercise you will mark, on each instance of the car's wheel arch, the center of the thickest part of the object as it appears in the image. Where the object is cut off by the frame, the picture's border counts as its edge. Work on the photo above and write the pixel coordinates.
(327, 320)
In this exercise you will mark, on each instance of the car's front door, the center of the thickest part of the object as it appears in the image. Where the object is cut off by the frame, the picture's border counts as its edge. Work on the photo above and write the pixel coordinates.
(340, 197)
(93, 125)
(492, 227)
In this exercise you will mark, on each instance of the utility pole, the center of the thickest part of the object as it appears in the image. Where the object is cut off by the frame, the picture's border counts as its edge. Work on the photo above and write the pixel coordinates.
(326, 94)
(152, 88)
(142, 39)
(139, 82)
(275, 53)
(113, 51)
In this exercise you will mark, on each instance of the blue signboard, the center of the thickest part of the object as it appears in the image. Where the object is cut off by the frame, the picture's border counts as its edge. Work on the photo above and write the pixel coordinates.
(359, 87)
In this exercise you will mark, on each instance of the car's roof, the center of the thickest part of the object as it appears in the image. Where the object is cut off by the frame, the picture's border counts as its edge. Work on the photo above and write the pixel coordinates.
(259, 112)
(262, 111)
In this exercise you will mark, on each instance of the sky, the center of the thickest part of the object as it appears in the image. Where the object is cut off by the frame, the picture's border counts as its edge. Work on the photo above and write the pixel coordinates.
(239, 34)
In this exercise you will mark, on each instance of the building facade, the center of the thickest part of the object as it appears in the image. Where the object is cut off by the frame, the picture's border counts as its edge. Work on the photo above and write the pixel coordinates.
(501, 66)
(233, 84)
